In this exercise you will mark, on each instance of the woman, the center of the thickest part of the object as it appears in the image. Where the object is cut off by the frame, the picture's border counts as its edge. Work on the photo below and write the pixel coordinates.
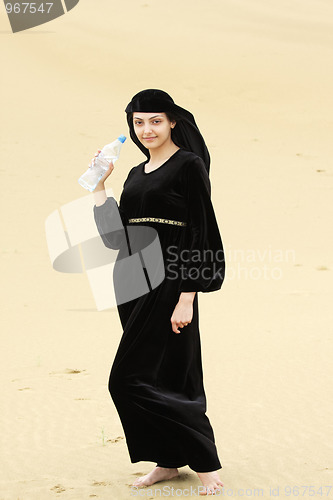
(156, 380)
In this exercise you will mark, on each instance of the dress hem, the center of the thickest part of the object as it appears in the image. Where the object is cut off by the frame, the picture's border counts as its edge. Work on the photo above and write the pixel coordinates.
(173, 466)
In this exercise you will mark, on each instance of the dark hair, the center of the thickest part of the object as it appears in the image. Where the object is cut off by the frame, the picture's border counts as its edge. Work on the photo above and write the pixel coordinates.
(185, 134)
(172, 117)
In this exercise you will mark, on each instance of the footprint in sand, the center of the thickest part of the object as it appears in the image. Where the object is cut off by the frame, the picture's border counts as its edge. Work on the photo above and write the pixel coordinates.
(68, 371)
(101, 483)
(115, 440)
(58, 488)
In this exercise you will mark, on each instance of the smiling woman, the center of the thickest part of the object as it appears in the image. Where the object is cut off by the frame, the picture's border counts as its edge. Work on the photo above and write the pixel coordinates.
(156, 380)
(154, 131)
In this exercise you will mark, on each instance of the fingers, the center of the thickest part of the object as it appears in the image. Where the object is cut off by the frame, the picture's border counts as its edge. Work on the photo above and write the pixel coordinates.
(92, 163)
(175, 326)
(178, 324)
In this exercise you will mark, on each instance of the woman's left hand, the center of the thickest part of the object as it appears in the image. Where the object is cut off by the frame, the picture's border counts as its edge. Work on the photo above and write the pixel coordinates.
(182, 315)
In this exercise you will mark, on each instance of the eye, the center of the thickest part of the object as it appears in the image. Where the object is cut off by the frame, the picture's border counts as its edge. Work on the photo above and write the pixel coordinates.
(137, 123)
(157, 121)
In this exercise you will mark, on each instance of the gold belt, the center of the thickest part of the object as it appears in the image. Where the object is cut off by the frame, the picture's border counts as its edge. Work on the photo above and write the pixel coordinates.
(157, 219)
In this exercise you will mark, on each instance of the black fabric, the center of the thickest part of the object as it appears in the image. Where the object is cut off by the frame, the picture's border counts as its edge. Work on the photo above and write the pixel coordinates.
(156, 380)
(185, 134)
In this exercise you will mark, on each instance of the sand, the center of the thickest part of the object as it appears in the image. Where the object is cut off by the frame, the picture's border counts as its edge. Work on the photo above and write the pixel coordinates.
(258, 77)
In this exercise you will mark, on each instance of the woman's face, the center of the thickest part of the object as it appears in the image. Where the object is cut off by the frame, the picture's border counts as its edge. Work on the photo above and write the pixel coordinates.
(152, 129)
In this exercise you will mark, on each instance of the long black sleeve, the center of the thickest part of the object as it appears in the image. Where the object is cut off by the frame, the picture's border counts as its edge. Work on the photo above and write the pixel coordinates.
(205, 267)
(110, 221)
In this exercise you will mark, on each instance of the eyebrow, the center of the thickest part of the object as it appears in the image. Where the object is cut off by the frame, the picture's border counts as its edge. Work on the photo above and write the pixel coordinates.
(137, 118)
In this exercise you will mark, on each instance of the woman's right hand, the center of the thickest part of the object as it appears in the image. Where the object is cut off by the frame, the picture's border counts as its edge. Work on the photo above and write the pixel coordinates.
(100, 184)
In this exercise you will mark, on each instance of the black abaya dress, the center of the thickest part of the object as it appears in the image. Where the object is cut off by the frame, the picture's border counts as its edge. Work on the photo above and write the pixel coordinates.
(156, 380)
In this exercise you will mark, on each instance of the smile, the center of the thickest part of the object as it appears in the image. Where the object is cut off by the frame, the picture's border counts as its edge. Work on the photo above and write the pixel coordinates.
(148, 138)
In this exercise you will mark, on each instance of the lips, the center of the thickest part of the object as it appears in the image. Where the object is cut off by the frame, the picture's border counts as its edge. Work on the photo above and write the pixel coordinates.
(148, 138)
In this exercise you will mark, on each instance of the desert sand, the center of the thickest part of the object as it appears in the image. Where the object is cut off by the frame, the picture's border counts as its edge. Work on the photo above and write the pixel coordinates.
(258, 76)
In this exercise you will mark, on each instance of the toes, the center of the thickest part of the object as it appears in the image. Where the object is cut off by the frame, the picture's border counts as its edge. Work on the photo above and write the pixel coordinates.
(139, 482)
(210, 490)
(206, 491)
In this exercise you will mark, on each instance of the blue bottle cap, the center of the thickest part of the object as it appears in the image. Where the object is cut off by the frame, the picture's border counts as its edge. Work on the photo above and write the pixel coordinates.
(122, 138)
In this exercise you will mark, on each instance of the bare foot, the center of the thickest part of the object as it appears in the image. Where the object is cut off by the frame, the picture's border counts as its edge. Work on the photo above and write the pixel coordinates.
(157, 474)
(210, 481)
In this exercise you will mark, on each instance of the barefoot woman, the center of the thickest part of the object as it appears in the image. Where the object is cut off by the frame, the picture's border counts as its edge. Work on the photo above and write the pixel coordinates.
(156, 380)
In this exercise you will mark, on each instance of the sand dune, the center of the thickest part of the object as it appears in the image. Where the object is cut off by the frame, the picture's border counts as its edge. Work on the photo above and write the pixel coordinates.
(258, 77)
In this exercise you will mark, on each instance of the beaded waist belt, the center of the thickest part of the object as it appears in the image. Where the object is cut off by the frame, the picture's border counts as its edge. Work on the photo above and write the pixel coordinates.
(157, 219)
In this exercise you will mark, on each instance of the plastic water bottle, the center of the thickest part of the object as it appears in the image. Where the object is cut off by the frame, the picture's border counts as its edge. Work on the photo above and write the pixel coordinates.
(100, 164)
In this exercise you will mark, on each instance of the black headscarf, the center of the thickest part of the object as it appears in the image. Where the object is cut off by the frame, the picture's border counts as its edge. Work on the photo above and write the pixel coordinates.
(185, 134)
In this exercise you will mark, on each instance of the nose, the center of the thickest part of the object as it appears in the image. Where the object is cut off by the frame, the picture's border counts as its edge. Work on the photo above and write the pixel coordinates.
(147, 129)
